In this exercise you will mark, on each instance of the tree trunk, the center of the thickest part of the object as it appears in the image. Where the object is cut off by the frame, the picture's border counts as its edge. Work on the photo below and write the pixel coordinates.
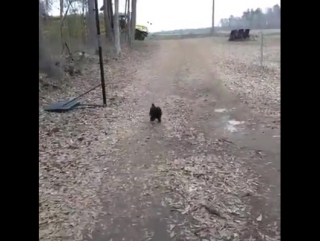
(92, 25)
(212, 25)
(133, 18)
(46, 64)
(43, 53)
(84, 33)
(116, 28)
(110, 9)
(61, 8)
(108, 20)
(47, 6)
(128, 27)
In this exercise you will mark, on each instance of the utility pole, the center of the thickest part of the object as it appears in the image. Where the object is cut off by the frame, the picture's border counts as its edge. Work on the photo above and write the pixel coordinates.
(212, 25)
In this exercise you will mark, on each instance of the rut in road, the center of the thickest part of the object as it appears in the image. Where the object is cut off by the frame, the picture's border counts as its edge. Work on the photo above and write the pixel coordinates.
(179, 77)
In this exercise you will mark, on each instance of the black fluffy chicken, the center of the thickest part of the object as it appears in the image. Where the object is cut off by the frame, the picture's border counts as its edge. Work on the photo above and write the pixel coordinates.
(155, 113)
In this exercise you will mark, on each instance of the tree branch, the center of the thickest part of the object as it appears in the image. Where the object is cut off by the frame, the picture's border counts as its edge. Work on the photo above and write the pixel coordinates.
(61, 26)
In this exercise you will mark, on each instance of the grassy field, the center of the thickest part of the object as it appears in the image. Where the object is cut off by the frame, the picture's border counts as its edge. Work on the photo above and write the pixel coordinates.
(218, 33)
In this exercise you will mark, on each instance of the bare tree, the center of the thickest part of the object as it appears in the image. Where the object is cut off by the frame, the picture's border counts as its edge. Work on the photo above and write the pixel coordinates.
(61, 8)
(133, 18)
(212, 25)
(128, 26)
(108, 19)
(116, 28)
(47, 5)
(43, 10)
(46, 64)
(83, 10)
(92, 25)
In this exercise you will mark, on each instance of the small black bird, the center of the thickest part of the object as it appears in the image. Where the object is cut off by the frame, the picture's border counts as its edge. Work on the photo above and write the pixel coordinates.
(155, 113)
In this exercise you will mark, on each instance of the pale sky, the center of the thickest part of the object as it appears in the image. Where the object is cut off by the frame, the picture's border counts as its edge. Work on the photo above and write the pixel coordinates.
(182, 14)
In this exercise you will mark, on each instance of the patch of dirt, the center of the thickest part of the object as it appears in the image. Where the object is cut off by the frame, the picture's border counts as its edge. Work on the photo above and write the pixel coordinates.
(110, 174)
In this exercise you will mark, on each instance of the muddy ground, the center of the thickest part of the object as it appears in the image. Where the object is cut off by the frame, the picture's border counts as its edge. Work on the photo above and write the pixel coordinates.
(209, 171)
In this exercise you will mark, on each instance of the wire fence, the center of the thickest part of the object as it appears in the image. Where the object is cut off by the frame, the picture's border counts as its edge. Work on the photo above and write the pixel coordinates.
(262, 49)
(269, 49)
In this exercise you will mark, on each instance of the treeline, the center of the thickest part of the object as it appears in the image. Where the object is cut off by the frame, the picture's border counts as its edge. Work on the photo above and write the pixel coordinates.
(255, 19)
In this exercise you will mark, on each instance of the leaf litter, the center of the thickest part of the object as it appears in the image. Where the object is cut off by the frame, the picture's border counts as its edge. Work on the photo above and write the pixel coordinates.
(210, 189)
(239, 69)
(72, 152)
(73, 148)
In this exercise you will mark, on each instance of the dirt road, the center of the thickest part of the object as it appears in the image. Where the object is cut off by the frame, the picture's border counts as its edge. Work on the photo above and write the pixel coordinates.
(148, 164)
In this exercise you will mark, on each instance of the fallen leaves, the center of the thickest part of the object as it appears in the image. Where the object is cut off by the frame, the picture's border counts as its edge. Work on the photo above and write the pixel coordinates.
(208, 188)
(77, 150)
(73, 149)
(238, 66)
